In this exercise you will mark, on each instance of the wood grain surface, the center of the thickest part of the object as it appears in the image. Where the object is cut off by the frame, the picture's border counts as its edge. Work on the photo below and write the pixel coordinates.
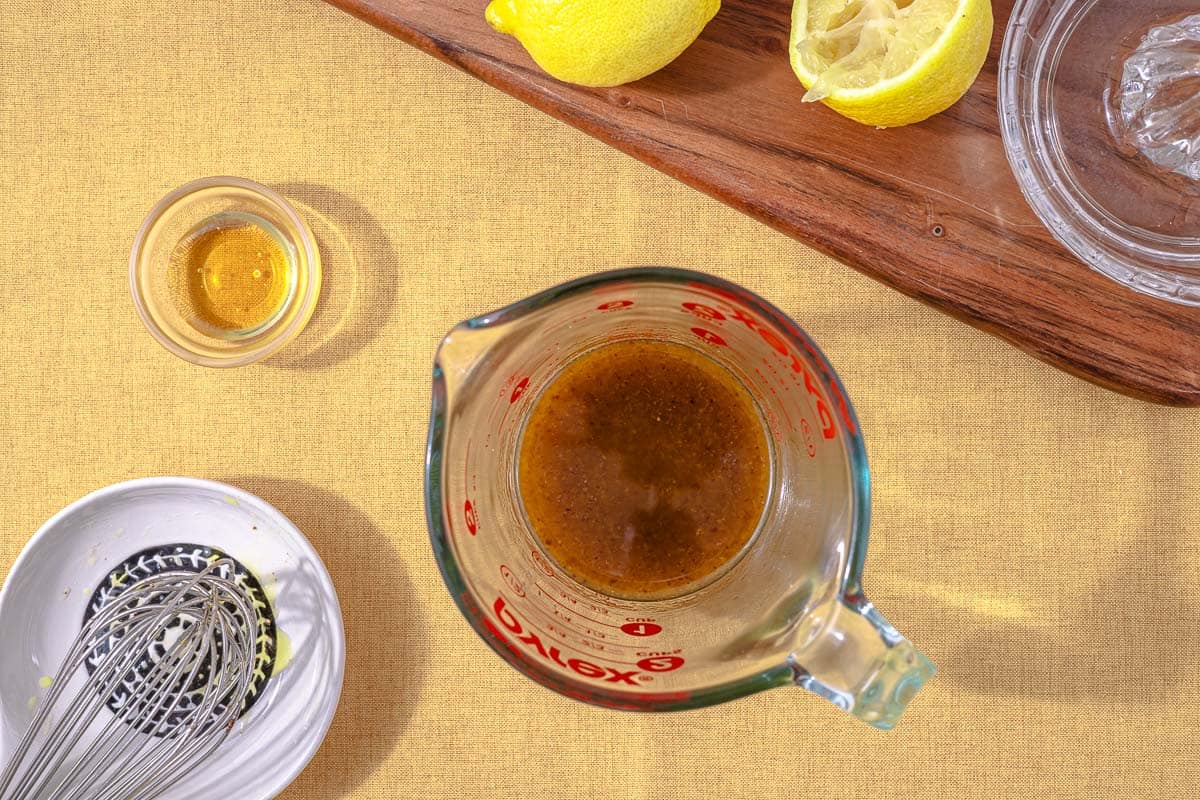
(931, 209)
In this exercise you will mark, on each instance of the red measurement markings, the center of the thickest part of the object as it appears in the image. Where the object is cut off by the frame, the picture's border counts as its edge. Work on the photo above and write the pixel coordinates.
(511, 580)
(642, 628)
(588, 643)
(557, 631)
(472, 518)
(709, 337)
(534, 643)
(810, 444)
(703, 312)
(572, 609)
(779, 345)
(581, 634)
(541, 563)
(660, 663)
(518, 390)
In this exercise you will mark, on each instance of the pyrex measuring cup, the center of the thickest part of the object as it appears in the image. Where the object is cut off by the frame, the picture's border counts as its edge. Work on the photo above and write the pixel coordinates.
(791, 611)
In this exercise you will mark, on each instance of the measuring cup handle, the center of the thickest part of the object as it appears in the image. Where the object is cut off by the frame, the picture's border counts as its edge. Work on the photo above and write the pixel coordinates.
(860, 663)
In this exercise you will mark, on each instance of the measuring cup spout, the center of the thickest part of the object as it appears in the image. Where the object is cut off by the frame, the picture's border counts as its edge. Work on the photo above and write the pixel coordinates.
(463, 349)
(859, 662)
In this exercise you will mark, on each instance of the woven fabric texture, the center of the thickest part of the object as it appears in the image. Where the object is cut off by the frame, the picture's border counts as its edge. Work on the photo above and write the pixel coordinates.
(1032, 534)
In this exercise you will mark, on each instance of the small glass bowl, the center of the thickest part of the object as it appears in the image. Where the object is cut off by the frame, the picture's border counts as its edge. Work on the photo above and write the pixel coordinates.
(175, 217)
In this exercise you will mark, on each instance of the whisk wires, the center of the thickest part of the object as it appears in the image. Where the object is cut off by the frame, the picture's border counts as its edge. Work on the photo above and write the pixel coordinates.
(150, 688)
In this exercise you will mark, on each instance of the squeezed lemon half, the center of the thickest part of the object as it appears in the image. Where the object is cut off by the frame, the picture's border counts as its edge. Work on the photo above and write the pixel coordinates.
(889, 62)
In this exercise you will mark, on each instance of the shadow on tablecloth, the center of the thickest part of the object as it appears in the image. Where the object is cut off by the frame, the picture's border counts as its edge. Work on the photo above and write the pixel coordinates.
(382, 617)
(1131, 636)
(360, 278)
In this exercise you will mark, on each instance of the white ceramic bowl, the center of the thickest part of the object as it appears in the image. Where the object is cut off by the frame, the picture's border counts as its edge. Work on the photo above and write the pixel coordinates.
(42, 607)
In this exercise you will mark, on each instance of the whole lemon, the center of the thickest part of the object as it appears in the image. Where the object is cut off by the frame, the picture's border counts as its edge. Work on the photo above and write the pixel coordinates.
(602, 42)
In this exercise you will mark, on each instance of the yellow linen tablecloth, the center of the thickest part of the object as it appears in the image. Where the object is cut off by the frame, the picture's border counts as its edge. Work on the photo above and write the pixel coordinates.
(1034, 535)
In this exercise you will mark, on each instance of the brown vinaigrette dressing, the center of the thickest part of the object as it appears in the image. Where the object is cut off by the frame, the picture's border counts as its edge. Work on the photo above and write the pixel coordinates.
(644, 468)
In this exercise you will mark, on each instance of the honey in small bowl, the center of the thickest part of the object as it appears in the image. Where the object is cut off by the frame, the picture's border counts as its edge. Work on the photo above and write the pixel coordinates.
(232, 275)
(224, 272)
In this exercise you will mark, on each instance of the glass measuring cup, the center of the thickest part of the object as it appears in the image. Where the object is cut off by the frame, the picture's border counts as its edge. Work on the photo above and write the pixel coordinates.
(790, 611)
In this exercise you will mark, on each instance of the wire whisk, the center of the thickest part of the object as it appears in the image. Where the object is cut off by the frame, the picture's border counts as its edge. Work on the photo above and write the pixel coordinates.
(150, 688)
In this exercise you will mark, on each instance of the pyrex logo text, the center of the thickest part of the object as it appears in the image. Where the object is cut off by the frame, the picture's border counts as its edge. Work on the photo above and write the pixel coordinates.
(772, 339)
(579, 666)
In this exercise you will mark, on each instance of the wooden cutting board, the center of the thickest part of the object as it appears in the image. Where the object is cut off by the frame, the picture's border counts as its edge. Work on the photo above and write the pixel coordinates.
(931, 209)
